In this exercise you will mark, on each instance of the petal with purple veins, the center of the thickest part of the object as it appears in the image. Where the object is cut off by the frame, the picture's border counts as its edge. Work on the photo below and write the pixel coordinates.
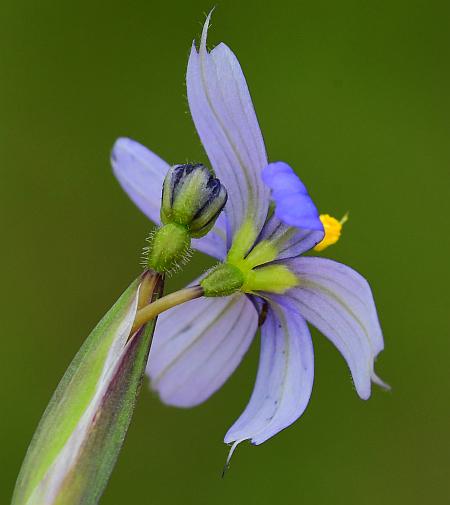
(141, 174)
(284, 380)
(226, 122)
(339, 302)
(289, 240)
(198, 345)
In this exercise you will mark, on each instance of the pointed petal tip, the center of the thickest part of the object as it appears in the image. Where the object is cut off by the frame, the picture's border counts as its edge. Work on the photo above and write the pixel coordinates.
(233, 447)
(205, 29)
(231, 452)
(379, 382)
(223, 113)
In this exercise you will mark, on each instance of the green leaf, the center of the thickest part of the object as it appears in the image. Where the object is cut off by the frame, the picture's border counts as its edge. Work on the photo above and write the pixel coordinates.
(78, 439)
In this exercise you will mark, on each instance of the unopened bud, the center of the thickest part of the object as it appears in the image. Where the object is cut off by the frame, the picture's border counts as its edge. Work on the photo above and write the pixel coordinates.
(193, 198)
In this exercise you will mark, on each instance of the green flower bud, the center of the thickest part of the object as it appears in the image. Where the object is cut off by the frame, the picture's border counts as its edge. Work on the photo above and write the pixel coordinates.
(193, 198)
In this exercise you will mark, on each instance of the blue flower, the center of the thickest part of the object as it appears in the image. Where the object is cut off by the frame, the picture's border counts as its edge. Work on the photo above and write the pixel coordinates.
(198, 345)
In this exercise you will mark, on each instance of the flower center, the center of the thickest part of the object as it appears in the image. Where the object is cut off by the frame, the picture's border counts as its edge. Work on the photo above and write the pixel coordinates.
(249, 272)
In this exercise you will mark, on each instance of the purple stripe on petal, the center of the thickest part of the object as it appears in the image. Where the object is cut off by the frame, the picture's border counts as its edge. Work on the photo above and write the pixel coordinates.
(293, 205)
(198, 345)
(290, 241)
(338, 301)
(223, 114)
(284, 381)
(141, 174)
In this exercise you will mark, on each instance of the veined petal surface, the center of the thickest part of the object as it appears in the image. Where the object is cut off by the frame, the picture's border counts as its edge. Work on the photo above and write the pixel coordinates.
(198, 345)
(141, 174)
(338, 301)
(284, 380)
(226, 122)
(289, 240)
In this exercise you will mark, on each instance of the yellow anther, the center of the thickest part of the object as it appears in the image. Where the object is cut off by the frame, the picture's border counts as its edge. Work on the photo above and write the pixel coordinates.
(332, 228)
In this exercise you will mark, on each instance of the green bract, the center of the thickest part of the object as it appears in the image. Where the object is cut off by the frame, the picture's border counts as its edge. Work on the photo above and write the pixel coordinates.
(81, 432)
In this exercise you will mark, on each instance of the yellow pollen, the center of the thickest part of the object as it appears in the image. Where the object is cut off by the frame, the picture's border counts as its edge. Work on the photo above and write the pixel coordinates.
(332, 229)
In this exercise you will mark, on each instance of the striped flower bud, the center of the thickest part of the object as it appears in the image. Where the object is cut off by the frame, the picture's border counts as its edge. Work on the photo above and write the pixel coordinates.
(192, 197)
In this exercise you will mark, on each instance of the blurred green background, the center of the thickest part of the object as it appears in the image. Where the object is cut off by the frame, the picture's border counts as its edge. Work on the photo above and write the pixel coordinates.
(353, 94)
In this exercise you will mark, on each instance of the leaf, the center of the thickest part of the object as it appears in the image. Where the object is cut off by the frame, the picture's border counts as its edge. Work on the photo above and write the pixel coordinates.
(76, 444)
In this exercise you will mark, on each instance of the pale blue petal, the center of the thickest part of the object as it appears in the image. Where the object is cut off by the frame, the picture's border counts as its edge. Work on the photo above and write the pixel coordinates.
(339, 302)
(141, 174)
(198, 345)
(285, 377)
(223, 114)
(293, 205)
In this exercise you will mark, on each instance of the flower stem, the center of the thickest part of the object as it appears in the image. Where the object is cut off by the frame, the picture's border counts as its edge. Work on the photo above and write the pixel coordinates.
(151, 310)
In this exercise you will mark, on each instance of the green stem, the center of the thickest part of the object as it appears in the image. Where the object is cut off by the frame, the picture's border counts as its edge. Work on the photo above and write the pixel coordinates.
(149, 312)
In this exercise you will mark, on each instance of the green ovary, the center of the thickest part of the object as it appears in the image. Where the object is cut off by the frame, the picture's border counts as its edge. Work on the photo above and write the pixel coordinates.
(169, 246)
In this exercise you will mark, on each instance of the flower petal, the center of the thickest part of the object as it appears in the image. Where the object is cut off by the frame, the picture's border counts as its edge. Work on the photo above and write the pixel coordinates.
(338, 301)
(198, 345)
(293, 205)
(226, 122)
(141, 174)
(285, 377)
(289, 241)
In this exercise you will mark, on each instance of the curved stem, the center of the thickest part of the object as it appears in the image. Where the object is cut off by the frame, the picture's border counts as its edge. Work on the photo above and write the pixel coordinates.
(150, 311)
